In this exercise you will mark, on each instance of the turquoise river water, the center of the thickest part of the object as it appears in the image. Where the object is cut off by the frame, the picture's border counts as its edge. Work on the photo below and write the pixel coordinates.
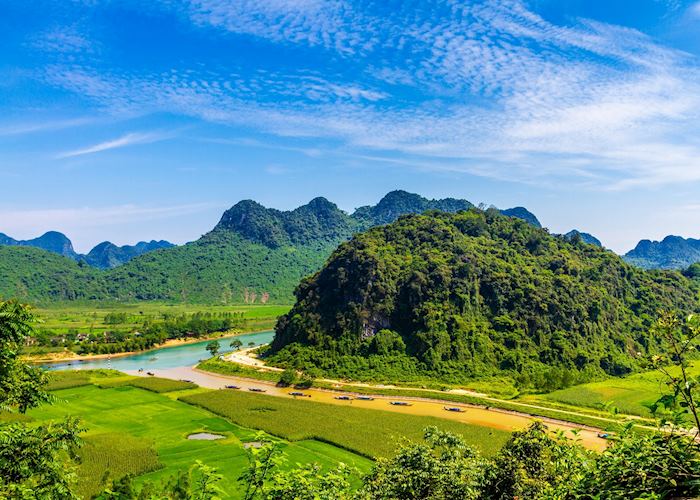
(164, 357)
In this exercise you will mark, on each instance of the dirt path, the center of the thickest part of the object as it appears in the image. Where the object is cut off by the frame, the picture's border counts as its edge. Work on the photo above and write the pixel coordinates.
(492, 417)
(248, 358)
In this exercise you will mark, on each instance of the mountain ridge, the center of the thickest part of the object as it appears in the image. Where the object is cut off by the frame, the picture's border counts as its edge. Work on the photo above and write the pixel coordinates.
(253, 251)
(673, 252)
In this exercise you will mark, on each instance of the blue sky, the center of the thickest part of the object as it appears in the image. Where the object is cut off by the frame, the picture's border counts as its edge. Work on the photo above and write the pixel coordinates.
(130, 120)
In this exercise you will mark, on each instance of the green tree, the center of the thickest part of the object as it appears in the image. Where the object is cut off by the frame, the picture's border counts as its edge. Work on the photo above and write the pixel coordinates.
(535, 464)
(33, 459)
(288, 377)
(213, 347)
(682, 339)
(236, 344)
(309, 483)
(443, 467)
(636, 465)
(263, 460)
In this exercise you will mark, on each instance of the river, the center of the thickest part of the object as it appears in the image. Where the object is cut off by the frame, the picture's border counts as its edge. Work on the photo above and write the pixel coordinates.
(162, 358)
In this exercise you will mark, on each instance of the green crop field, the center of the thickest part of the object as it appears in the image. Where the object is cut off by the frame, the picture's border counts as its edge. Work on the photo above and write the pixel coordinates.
(373, 433)
(130, 430)
(631, 395)
(153, 384)
(89, 317)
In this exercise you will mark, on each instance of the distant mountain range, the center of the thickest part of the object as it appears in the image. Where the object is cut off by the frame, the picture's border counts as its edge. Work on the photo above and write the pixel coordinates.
(106, 255)
(253, 254)
(673, 252)
(52, 241)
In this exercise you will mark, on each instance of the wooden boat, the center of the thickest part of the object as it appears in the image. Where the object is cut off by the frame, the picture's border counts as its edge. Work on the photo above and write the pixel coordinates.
(150, 374)
(455, 409)
(344, 398)
(365, 398)
(255, 389)
(231, 387)
(400, 403)
(301, 394)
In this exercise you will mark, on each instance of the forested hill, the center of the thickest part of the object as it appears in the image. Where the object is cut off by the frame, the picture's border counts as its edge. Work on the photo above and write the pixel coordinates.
(474, 294)
(253, 254)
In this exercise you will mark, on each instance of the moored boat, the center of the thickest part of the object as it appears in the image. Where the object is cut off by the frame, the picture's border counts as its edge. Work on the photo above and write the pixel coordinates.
(455, 409)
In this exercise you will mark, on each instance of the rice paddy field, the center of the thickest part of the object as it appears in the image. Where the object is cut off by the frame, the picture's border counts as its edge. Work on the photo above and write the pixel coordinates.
(131, 430)
(140, 426)
(372, 433)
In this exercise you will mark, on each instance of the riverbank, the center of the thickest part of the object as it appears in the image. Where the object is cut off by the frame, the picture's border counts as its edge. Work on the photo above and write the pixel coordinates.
(69, 356)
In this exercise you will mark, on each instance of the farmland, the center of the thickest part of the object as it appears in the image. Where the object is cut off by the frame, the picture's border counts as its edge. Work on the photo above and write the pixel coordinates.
(130, 430)
(631, 395)
(89, 317)
(373, 433)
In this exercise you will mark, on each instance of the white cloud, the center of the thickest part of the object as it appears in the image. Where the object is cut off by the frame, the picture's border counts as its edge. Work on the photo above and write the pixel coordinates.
(63, 40)
(121, 142)
(20, 128)
(486, 87)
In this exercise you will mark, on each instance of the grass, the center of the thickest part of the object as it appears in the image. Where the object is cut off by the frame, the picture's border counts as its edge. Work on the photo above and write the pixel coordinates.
(153, 384)
(632, 395)
(372, 433)
(547, 409)
(150, 422)
(67, 379)
(215, 365)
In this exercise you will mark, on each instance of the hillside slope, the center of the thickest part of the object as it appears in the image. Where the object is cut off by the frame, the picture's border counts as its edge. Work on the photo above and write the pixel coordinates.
(38, 275)
(473, 294)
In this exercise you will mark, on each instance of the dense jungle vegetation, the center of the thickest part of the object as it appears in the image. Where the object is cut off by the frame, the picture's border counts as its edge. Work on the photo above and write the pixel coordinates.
(474, 294)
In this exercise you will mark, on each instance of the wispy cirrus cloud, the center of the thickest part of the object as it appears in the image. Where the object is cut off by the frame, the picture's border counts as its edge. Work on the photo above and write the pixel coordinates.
(120, 142)
(488, 87)
(21, 128)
